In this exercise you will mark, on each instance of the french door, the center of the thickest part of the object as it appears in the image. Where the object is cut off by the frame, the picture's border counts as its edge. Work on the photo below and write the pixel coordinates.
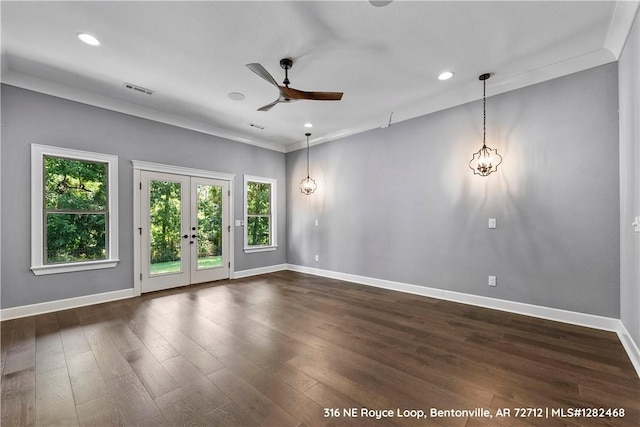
(184, 229)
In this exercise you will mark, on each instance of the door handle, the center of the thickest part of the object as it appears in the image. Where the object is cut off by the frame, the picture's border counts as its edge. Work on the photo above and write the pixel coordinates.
(194, 236)
(186, 236)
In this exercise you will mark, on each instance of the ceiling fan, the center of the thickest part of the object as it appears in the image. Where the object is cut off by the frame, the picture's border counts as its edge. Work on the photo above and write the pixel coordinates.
(288, 94)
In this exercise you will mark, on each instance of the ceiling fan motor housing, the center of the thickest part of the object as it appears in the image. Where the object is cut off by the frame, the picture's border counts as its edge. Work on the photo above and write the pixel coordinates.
(286, 63)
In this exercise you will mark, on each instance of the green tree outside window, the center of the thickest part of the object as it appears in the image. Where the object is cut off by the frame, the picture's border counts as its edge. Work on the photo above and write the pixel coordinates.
(75, 210)
(258, 213)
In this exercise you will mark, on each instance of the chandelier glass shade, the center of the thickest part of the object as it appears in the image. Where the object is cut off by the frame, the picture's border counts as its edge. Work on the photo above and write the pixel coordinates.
(486, 160)
(307, 185)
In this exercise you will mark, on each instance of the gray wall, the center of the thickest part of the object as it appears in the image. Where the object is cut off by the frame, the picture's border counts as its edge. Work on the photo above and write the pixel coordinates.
(32, 117)
(401, 203)
(629, 70)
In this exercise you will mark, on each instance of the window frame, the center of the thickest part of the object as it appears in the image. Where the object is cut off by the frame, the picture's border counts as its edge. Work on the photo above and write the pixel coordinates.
(273, 217)
(38, 232)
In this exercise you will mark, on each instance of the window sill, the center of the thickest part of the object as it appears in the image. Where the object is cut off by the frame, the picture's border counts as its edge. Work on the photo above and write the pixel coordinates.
(254, 249)
(42, 270)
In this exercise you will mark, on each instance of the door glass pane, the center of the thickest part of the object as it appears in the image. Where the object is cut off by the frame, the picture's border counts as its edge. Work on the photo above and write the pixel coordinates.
(165, 219)
(209, 226)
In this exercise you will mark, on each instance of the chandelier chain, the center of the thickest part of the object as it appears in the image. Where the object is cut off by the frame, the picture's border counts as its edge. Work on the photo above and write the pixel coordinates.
(307, 135)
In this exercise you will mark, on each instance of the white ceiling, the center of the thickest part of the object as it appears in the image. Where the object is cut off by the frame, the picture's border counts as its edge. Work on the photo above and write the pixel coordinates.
(385, 59)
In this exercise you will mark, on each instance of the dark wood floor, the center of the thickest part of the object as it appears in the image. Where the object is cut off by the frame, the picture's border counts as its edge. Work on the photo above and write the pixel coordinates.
(278, 349)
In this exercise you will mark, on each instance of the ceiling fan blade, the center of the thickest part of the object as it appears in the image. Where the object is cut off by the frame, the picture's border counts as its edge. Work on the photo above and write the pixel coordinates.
(291, 93)
(325, 96)
(269, 106)
(262, 72)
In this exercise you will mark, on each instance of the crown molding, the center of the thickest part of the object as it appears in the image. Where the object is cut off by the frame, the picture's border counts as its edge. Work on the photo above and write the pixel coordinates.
(621, 22)
(47, 87)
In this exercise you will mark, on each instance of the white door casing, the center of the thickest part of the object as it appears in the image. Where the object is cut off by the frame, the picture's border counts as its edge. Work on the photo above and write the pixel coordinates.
(192, 269)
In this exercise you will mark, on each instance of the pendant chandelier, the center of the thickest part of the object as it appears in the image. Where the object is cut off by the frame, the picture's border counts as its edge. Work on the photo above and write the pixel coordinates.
(307, 185)
(485, 161)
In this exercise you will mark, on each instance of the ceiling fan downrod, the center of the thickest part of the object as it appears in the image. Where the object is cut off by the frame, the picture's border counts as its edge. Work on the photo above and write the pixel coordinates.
(286, 64)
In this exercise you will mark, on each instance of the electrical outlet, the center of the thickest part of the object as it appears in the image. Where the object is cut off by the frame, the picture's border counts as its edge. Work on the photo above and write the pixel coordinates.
(317, 257)
(492, 281)
(316, 223)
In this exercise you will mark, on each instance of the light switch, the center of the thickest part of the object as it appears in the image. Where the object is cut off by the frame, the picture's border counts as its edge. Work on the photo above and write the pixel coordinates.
(636, 224)
(238, 223)
(492, 223)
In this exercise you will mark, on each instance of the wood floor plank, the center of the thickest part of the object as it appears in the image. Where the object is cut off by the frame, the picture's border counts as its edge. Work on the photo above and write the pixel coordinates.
(155, 379)
(125, 340)
(198, 356)
(87, 381)
(21, 353)
(54, 399)
(279, 392)
(202, 392)
(49, 350)
(142, 328)
(112, 363)
(254, 403)
(99, 412)
(231, 415)
(18, 398)
(133, 404)
(179, 410)
(74, 341)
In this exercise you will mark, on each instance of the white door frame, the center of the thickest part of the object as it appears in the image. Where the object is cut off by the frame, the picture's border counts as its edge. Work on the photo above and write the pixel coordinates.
(138, 167)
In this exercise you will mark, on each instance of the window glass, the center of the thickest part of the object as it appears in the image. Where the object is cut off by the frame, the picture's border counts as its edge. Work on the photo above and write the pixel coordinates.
(75, 210)
(260, 215)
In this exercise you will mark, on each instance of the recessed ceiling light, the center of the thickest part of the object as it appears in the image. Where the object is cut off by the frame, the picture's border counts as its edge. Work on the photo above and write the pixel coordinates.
(236, 96)
(308, 125)
(88, 39)
(380, 3)
(445, 75)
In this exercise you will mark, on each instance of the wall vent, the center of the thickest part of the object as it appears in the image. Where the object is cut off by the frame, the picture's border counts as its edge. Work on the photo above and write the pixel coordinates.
(137, 88)
(253, 125)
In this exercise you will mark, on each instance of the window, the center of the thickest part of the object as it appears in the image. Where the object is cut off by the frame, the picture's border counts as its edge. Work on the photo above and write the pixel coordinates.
(74, 217)
(259, 214)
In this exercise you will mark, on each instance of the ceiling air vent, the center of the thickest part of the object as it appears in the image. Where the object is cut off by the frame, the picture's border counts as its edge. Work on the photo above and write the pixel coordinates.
(140, 89)
(253, 125)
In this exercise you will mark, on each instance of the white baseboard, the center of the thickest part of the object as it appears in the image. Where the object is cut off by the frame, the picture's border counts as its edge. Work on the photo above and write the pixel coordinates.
(565, 316)
(64, 304)
(262, 270)
(630, 346)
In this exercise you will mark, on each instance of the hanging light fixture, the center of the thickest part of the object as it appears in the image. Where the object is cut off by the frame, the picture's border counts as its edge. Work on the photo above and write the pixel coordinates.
(307, 185)
(485, 161)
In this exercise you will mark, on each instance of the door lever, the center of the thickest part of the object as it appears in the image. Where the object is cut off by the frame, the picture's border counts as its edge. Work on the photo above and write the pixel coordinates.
(194, 236)
(186, 236)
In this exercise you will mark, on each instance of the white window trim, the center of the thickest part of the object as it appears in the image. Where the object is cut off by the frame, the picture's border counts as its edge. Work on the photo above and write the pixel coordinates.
(38, 152)
(274, 215)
